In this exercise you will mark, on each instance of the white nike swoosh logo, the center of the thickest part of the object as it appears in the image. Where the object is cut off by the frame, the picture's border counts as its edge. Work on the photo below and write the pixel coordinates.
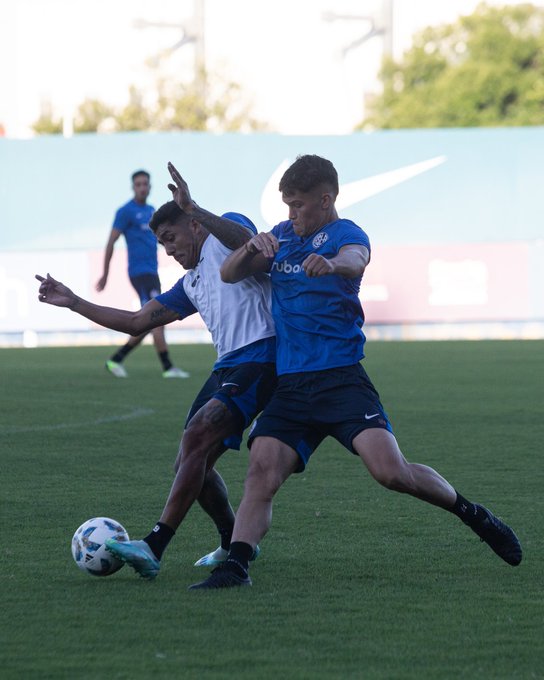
(374, 415)
(274, 210)
(225, 384)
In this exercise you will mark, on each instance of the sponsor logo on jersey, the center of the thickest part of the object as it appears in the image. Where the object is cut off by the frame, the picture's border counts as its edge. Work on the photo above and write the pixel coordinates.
(286, 267)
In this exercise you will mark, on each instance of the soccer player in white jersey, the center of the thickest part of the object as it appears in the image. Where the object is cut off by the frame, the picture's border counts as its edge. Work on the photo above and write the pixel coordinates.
(243, 377)
(316, 262)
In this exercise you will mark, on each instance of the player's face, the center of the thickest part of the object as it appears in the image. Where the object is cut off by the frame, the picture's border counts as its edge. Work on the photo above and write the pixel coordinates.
(141, 187)
(309, 211)
(181, 242)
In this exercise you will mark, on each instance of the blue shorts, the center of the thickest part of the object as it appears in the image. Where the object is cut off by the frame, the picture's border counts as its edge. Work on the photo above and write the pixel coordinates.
(148, 286)
(245, 390)
(307, 407)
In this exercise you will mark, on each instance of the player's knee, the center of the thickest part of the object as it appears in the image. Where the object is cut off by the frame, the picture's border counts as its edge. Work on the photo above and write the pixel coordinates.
(192, 451)
(196, 440)
(262, 476)
(397, 478)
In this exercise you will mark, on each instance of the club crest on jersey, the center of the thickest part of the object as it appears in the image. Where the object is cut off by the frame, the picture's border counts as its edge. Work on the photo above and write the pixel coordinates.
(320, 239)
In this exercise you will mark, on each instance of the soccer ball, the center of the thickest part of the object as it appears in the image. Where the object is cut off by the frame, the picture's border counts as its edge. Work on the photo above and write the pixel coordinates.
(89, 551)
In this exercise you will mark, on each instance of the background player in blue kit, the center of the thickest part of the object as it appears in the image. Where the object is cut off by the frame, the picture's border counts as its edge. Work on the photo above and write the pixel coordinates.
(132, 221)
(243, 378)
(316, 262)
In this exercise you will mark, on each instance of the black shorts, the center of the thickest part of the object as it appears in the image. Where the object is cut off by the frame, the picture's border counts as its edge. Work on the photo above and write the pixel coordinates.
(148, 286)
(307, 407)
(245, 390)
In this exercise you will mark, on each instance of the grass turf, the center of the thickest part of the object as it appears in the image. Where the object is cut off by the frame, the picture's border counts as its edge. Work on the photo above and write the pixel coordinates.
(353, 581)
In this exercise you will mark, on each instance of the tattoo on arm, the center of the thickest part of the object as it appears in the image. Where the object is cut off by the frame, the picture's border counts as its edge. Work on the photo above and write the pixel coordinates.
(231, 234)
(216, 415)
(158, 314)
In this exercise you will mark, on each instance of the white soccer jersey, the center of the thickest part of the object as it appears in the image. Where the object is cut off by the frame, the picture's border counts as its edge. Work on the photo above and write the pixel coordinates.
(236, 314)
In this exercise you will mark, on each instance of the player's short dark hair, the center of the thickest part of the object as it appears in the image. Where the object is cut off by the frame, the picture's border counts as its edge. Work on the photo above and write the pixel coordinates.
(307, 173)
(169, 213)
(140, 172)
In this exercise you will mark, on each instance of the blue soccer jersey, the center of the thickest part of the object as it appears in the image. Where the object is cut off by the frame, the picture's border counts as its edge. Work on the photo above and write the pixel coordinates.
(318, 320)
(132, 220)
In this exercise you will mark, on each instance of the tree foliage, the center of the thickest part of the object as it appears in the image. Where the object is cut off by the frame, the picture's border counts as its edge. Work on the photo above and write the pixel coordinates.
(47, 123)
(206, 104)
(486, 69)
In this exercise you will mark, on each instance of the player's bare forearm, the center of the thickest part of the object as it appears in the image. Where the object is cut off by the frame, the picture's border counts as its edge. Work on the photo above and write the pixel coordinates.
(231, 234)
(242, 263)
(152, 314)
(117, 319)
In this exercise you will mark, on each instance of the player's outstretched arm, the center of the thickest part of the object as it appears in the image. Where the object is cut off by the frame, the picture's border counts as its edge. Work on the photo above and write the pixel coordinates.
(151, 315)
(231, 234)
(253, 257)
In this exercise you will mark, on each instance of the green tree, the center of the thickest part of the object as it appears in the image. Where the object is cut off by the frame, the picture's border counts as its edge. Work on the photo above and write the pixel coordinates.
(486, 69)
(91, 114)
(47, 123)
(135, 115)
(206, 104)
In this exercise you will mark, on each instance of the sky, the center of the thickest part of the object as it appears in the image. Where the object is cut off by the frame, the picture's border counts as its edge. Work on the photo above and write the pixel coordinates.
(287, 55)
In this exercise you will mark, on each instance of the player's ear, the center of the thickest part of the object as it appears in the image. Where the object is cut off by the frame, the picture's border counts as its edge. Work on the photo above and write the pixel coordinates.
(326, 201)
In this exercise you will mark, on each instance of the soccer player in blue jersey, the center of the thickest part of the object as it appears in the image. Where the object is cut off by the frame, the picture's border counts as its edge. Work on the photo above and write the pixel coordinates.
(132, 221)
(316, 262)
(243, 377)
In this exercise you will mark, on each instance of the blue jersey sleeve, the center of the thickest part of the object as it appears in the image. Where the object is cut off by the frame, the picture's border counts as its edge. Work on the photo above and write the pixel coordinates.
(121, 220)
(177, 300)
(350, 234)
(241, 219)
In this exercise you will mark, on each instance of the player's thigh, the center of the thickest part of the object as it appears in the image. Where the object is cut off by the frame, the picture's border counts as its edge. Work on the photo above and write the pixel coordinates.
(380, 452)
(147, 286)
(211, 424)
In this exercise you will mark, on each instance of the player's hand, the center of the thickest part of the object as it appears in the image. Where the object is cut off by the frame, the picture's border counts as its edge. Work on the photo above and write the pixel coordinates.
(266, 244)
(180, 190)
(55, 293)
(317, 265)
(101, 283)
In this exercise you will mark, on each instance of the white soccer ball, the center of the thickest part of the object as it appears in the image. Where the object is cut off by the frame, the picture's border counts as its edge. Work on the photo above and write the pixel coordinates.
(89, 551)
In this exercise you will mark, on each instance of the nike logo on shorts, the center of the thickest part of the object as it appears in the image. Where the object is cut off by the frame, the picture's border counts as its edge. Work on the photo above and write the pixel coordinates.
(374, 415)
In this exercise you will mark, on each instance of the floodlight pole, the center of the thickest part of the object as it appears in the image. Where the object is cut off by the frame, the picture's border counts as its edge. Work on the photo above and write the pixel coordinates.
(381, 24)
(192, 32)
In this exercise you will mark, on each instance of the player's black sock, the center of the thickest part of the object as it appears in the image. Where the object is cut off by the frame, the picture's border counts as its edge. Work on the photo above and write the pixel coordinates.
(466, 511)
(226, 535)
(159, 538)
(165, 360)
(122, 352)
(238, 558)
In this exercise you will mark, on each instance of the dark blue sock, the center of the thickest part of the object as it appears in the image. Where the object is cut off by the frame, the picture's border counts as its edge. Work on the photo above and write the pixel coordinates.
(238, 558)
(159, 538)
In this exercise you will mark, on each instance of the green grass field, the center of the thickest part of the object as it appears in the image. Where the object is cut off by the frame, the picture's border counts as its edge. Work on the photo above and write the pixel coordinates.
(353, 581)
